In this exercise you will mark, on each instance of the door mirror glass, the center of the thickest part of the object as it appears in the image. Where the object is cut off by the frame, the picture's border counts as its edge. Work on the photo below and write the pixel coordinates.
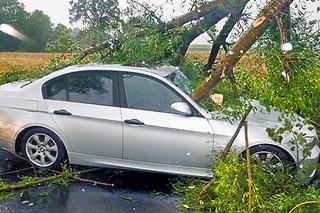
(181, 108)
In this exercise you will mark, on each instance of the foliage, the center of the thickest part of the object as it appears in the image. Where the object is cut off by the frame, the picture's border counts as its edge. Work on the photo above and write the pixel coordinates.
(95, 13)
(35, 25)
(301, 94)
(44, 193)
(264, 81)
(153, 49)
(13, 13)
(61, 40)
(38, 27)
(277, 192)
(62, 180)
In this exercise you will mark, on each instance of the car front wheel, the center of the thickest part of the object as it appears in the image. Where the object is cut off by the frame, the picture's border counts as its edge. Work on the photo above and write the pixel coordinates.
(43, 148)
(272, 158)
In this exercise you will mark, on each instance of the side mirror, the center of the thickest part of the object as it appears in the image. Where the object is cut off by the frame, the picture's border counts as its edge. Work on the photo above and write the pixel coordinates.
(181, 108)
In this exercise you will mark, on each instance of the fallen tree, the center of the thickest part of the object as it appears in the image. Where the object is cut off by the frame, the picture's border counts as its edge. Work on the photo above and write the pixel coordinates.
(208, 21)
(223, 34)
(226, 64)
(212, 7)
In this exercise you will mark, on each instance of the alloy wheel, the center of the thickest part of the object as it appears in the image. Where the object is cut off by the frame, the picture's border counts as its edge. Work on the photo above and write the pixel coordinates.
(41, 150)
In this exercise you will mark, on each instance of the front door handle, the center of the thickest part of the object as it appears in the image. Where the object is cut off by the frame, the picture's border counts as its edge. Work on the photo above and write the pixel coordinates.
(134, 122)
(62, 112)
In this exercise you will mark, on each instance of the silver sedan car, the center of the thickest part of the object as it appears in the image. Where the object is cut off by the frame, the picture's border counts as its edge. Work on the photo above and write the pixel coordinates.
(131, 118)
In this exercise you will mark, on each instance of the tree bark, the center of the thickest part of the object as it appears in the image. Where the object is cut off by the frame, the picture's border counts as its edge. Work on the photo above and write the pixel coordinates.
(249, 169)
(202, 11)
(257, 28)
(221, 38)
(206, 23)
(197, 29)
(284, 27)
(287, 28)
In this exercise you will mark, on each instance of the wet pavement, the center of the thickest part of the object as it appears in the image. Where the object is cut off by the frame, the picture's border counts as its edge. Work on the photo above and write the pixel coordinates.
(133, 192)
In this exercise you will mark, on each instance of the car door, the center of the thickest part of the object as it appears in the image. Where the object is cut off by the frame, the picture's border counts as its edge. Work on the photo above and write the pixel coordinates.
(85, 106)
(153, 133)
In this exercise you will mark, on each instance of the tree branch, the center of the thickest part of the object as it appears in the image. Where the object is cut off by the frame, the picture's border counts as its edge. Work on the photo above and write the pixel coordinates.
(152, 13)
(249, 169)
(221, 38)
(226, 150)
(197, 29)
(206, 23)
(202, 11)
(257, 28)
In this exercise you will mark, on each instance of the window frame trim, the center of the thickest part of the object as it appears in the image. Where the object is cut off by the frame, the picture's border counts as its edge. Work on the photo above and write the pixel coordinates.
(115, 86)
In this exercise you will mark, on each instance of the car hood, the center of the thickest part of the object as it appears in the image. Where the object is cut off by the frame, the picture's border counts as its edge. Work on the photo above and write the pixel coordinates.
(261, 117)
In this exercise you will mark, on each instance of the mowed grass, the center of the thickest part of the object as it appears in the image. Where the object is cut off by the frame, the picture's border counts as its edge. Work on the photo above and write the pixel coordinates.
(11, 61)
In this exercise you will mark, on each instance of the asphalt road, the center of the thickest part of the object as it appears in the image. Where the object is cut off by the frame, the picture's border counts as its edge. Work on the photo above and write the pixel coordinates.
(133, 192)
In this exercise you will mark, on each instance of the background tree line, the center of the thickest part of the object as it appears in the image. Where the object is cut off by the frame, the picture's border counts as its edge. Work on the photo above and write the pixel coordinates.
(35, 25)
(98, 17)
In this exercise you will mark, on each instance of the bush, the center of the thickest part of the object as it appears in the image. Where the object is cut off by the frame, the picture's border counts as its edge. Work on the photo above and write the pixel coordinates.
(271, 192)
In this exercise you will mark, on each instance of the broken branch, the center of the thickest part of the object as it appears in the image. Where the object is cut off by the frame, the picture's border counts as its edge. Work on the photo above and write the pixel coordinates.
(221, 38)
(249, 168)
(203, 10)
(258, 27)
(16, 171)
(304, 204)
(225, 152)
(94, 182)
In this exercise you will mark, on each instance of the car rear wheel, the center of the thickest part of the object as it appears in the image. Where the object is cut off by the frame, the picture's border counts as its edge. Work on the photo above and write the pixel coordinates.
(43, 148)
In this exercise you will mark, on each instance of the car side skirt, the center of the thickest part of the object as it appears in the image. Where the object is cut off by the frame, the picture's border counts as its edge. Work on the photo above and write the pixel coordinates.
(90, 160)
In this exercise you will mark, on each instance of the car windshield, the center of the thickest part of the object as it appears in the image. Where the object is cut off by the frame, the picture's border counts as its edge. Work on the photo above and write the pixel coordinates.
(180, 80)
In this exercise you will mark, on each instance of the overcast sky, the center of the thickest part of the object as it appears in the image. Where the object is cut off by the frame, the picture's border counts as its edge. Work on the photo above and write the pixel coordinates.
(58, 9)
(59, 13)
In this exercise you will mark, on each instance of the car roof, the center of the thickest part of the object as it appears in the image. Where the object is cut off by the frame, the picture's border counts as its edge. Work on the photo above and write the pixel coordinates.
(163, 71)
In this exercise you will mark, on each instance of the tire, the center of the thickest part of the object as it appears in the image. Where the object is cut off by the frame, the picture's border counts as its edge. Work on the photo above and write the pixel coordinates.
(43, 148)
(273, 158)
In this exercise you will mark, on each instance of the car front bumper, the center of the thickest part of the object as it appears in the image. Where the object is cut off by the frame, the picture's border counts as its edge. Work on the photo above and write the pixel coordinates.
(308, 166)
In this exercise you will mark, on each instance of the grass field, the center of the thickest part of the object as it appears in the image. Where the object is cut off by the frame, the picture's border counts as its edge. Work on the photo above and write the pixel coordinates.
(23, 61)
(12, 61)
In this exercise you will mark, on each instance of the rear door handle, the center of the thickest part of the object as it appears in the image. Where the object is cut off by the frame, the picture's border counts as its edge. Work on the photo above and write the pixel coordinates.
(62, 112)
(134, 122)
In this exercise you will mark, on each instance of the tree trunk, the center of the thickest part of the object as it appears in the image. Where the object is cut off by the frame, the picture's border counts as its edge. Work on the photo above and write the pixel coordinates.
(204, 10)
(257, 28)
(287, 28)
(221, 38)
(206, 23)
(197, 29)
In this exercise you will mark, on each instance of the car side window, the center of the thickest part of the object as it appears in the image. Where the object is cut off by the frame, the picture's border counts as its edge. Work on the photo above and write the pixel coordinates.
(83, 87)
(149, 94)
(57, 89)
